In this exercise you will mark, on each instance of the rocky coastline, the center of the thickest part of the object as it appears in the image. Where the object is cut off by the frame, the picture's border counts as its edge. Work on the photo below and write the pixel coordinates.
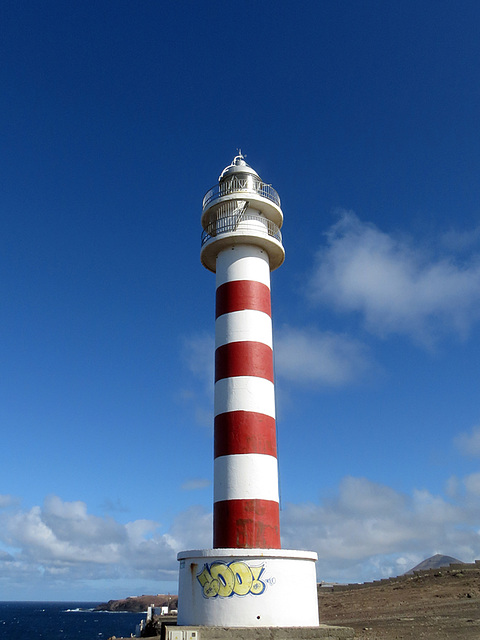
(139, 604)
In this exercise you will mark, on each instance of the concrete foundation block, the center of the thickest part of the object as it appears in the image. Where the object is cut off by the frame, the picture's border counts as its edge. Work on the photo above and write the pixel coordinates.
(322, 632)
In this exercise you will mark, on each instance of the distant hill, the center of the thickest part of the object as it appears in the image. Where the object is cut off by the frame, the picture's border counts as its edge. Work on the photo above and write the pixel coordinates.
(435, 562)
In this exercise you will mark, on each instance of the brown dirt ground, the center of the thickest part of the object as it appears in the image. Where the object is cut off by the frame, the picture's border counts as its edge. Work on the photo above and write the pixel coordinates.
(441, 604)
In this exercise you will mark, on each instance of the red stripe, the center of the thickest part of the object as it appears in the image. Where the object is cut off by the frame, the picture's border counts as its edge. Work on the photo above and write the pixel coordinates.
(244, 432)
(244, 359)
(246, 524)
(242, 294)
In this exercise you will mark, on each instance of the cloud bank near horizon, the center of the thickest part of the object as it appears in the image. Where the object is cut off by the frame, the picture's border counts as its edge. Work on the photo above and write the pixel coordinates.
(61, 544)
(364, 531)
(368, 531)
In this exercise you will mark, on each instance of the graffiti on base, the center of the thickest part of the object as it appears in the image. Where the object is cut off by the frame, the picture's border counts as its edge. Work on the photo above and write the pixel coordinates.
(233, 579)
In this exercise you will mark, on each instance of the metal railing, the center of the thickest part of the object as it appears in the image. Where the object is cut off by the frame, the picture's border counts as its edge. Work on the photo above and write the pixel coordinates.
(236, 219)
(248, 184)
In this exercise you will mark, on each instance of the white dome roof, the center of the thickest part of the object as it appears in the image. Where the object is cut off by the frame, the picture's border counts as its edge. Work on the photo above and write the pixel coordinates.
(238, 166)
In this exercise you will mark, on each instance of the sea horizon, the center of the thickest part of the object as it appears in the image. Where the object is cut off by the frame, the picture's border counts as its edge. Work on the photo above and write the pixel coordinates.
(64, 620)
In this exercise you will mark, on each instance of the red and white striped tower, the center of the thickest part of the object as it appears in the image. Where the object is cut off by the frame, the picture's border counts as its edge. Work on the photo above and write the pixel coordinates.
(242, 244)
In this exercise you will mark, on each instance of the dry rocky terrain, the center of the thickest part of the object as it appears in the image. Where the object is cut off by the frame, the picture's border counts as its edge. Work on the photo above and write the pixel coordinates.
(439, 604)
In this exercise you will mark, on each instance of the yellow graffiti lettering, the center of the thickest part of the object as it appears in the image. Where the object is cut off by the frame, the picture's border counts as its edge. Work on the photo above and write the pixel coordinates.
(243, 578)
(204, 577)
(225, 580)
(225, 577)
(210, 586)
(258, 586)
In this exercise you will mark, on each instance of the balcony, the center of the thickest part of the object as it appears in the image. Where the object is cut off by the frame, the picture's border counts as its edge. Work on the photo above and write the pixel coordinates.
(243, 223)
(247, 184)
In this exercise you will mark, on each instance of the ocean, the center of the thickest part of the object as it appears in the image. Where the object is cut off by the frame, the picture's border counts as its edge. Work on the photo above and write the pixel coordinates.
(64, 621)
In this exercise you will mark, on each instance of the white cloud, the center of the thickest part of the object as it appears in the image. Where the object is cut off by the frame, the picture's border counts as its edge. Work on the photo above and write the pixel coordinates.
(7, 500)
(68, 538)
(452, 487)
(192, 529)
(62, 540)
(308, 355)
(195, 484)
(116, 506)
(469, 443)
(359, 495)
(198, 351)
(472, 484)
(368, 530)
(456, 240)
(396, 286)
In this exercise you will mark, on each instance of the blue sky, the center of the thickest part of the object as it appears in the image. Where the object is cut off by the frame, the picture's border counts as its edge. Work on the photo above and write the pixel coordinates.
(115, 119)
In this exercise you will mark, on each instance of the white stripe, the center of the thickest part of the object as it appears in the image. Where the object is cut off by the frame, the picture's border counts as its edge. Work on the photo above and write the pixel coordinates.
(245, 393)
(243, 262)
(245, 477)
(240, 326)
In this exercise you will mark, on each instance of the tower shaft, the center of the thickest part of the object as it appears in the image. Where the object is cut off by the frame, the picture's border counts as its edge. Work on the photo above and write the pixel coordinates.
(246, 501)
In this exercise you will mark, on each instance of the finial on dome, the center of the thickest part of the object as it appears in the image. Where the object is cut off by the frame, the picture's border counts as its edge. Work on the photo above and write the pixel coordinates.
(239, 159)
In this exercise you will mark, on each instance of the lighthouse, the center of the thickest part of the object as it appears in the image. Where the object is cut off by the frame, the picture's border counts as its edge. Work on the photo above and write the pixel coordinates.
(241, 244)
(246, 579)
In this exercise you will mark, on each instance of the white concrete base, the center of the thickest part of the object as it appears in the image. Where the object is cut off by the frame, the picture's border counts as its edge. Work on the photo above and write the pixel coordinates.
(247, 588)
